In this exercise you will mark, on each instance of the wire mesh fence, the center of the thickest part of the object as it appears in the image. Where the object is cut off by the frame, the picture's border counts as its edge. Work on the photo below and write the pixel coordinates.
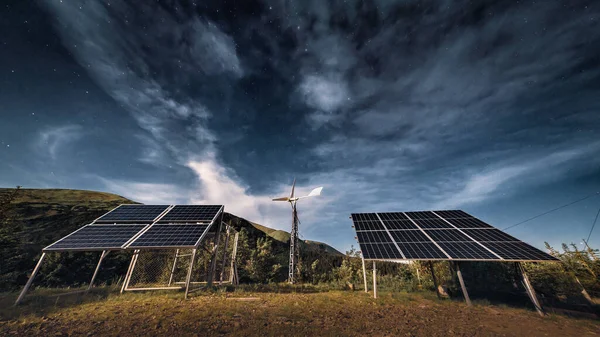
(169, 267)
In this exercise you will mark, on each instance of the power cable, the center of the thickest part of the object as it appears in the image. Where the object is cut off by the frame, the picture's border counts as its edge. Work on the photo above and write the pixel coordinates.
(593, 225)
(554, 209)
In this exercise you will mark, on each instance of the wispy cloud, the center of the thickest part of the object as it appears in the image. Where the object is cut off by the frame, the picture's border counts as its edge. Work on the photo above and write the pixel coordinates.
(146, 193)
(53, 139)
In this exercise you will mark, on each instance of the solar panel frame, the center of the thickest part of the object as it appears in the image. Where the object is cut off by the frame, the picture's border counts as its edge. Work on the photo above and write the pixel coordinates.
(133, 229)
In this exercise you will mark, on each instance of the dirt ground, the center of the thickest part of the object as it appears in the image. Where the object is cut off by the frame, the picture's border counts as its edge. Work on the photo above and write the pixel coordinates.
(334, 313)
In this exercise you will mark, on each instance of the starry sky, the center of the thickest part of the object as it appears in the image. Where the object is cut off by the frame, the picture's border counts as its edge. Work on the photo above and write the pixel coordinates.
(490, 107)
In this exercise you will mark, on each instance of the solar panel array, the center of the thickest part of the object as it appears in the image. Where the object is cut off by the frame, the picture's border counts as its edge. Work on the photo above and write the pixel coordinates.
(143, 226)
(438, 235)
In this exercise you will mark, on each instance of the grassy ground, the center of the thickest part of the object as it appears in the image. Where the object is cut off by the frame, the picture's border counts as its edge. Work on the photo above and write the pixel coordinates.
(292, 311)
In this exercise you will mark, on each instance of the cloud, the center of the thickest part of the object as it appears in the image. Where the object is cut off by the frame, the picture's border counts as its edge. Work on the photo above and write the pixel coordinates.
(220, 187)
(323, 93)
(52, 140)
(505, 180)
(146, 193)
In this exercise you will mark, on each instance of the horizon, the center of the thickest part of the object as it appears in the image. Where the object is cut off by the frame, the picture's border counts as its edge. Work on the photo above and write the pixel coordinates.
(490, 108)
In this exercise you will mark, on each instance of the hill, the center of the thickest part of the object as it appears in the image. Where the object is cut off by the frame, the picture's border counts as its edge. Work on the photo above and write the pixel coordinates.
(38, 217)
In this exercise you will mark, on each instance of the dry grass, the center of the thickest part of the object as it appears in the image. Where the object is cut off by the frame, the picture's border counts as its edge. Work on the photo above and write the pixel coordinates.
(330, 313)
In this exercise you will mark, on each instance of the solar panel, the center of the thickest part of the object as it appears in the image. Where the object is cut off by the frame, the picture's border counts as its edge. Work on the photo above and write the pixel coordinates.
(170, 235)
(97, 237)
(133, 214)
(386, 251)
(518, 251)
(432, 223)
(191, 214)
(438, 235)
(421, 251)
(468, 223)
(467, 251)
(369, 226)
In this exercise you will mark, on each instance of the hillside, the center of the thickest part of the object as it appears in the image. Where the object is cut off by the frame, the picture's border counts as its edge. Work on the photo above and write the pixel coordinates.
(43, 216)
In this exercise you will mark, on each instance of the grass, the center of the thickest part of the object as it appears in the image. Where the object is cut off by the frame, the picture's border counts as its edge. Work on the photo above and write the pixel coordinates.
(271, 310)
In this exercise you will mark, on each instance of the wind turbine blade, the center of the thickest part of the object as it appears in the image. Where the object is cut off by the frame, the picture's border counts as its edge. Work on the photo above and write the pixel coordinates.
(293, 187)
(313, 193)
(282, 199)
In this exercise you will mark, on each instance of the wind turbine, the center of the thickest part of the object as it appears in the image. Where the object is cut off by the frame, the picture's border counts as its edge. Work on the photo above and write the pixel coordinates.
(294, 233)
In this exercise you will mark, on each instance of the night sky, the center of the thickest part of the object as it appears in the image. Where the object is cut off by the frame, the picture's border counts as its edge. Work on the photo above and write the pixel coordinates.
(489, 107)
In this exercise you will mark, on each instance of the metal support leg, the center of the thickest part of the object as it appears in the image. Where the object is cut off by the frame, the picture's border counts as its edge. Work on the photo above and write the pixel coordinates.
(224, 256)
(174, 266)
(28, 284)
(130, 271)
(435, 284)
(462, 284)
(233, 268)
(374, 280)
(530, 290)
(365, 275)
(189, 275)
(104, 253)
(213, 262)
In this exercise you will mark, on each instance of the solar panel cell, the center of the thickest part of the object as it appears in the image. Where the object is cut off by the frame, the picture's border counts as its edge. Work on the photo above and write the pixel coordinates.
(453, 214)
(373, 237)
(364, 217)
(421, 215)
(399, 224)
(190, 214)
(369, 226)
(380, 251)
(421, 250)
(393, 216)
(409, 236)
(518, 251)
(448, 235)
(432, 223)
(467, 250)
(482, 235)
(469, 223)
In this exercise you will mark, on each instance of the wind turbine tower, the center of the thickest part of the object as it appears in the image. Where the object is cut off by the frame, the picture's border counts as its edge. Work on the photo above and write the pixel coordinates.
(294, 233)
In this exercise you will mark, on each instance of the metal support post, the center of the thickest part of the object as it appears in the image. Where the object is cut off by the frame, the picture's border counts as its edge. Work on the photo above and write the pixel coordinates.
(224, 255)
(174, 266)
(435, 284)
(293, 245)
(462, 284)
(104, 253)
(130, 270)
(374, 280)
(530, 290)
(213, 262)
(365, 275)
(233, 268)
(189, 275)
(28, 284)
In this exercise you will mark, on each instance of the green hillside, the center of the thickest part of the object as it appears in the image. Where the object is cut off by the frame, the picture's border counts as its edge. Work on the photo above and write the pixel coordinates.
(283, 236)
